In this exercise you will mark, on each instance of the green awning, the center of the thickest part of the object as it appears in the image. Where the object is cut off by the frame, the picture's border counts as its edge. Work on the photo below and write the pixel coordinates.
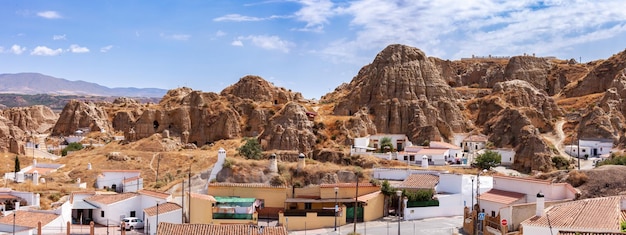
(235, 200)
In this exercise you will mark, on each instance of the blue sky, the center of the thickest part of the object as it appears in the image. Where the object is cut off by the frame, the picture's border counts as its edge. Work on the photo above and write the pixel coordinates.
(310, 46)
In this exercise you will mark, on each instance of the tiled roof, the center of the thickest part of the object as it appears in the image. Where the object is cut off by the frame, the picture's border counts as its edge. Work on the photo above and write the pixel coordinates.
(588, 233)
(29, 218)
(132, 171)
(421, 181)
(154, 193)
(602, 214)
(131, 179)
(439, 144)
(475, 138)
(245, 185)
(7, 196)
(347, 185)
(530, 179)
(369, 196)
(501, 196)
(163, 208)
(110, 198)
(203, 196)
(40, 170)
(429, 151)
(214, 229)
(623, 215)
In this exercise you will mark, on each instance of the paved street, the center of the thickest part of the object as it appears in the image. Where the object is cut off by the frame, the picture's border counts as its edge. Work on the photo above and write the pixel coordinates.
(388, 225)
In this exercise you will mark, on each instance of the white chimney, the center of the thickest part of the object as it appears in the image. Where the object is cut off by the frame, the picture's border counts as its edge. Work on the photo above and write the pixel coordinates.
(17, 206)
(301, 162)
(424, 161)
(221, 155)
(37, 200)
(540, 204)
(89, 166)
(273, 163)
(34, 162)
(35, 177)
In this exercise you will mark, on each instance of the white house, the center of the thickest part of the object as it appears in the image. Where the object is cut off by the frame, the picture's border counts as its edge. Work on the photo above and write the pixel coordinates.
(372, 142)
(114, 179)
(454, 192)
(508, 155)
(597, 146)
(590, 147)
(578, 151)
(435, 156)
(167, 212)
(588, 216)
(507, 192)
(111, 208)
(26, 222)
(454, 154)
(8, 197)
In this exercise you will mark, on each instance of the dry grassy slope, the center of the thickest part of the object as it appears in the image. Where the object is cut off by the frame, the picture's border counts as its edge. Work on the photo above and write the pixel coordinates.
(598, 182)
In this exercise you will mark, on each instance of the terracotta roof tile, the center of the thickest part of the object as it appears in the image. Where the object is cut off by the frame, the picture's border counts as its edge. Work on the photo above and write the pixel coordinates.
(602, 214)
(475, 138)
(245, 185)
(420, 181)
(40, 170)
(588, 233)
(429, 151)
(131, 179)
(163, 208)
(529, 179)
(439, 144)
(203, 196)
(214, 229)
(135, 171)
(501, 196)
(154, 193)
(110, 198)
(29, 218)
(7, 196)
(369, 196)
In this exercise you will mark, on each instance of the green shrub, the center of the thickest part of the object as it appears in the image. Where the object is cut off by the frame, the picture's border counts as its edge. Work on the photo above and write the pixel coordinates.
(251, 149)
(560, 162)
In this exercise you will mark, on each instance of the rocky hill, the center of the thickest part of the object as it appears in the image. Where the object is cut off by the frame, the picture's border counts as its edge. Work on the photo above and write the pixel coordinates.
(514, 101)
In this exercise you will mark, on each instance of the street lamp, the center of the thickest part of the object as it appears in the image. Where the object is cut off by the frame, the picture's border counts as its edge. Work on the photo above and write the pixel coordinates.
(399, 193)
(477, 195)
(336, 207)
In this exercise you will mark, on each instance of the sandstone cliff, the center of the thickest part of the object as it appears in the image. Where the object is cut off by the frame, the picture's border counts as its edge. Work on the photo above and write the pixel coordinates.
(38, 118)
(600, 78)
(289, 129)
(405, 93)
(80, 114)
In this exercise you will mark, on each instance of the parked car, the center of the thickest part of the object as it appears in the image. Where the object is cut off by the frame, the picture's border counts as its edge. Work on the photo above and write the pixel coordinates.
(131, 223)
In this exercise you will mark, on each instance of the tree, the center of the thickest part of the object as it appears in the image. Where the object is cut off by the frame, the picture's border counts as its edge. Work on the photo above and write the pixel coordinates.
(386, 145)
(17, 164)
(488, 160)
(71, 147)
(388, 191)
(251, 149)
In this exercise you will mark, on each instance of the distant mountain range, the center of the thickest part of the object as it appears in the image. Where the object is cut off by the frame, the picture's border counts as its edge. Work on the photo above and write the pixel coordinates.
(35, 83)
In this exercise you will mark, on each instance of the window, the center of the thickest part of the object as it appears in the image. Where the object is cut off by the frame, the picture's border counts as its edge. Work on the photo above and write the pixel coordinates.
(132, 213)
(584, 150)
(102, 214)
(493, 214)
(307, 206)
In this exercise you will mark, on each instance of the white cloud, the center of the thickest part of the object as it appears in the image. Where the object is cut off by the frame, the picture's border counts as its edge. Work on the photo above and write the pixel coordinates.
(17, 49)
(59, 37)
(268, 42)
(77, 49)
(49, 14)
(315, 13)
(237, 43)
(242, 18)
(453, 29)
(1, 49)
(220, 33)
(45, 51)
(237, 18)
(177, 37)
(106, 48)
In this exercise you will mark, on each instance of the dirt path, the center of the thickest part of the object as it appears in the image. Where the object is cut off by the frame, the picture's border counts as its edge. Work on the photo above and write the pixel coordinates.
(557, 140)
